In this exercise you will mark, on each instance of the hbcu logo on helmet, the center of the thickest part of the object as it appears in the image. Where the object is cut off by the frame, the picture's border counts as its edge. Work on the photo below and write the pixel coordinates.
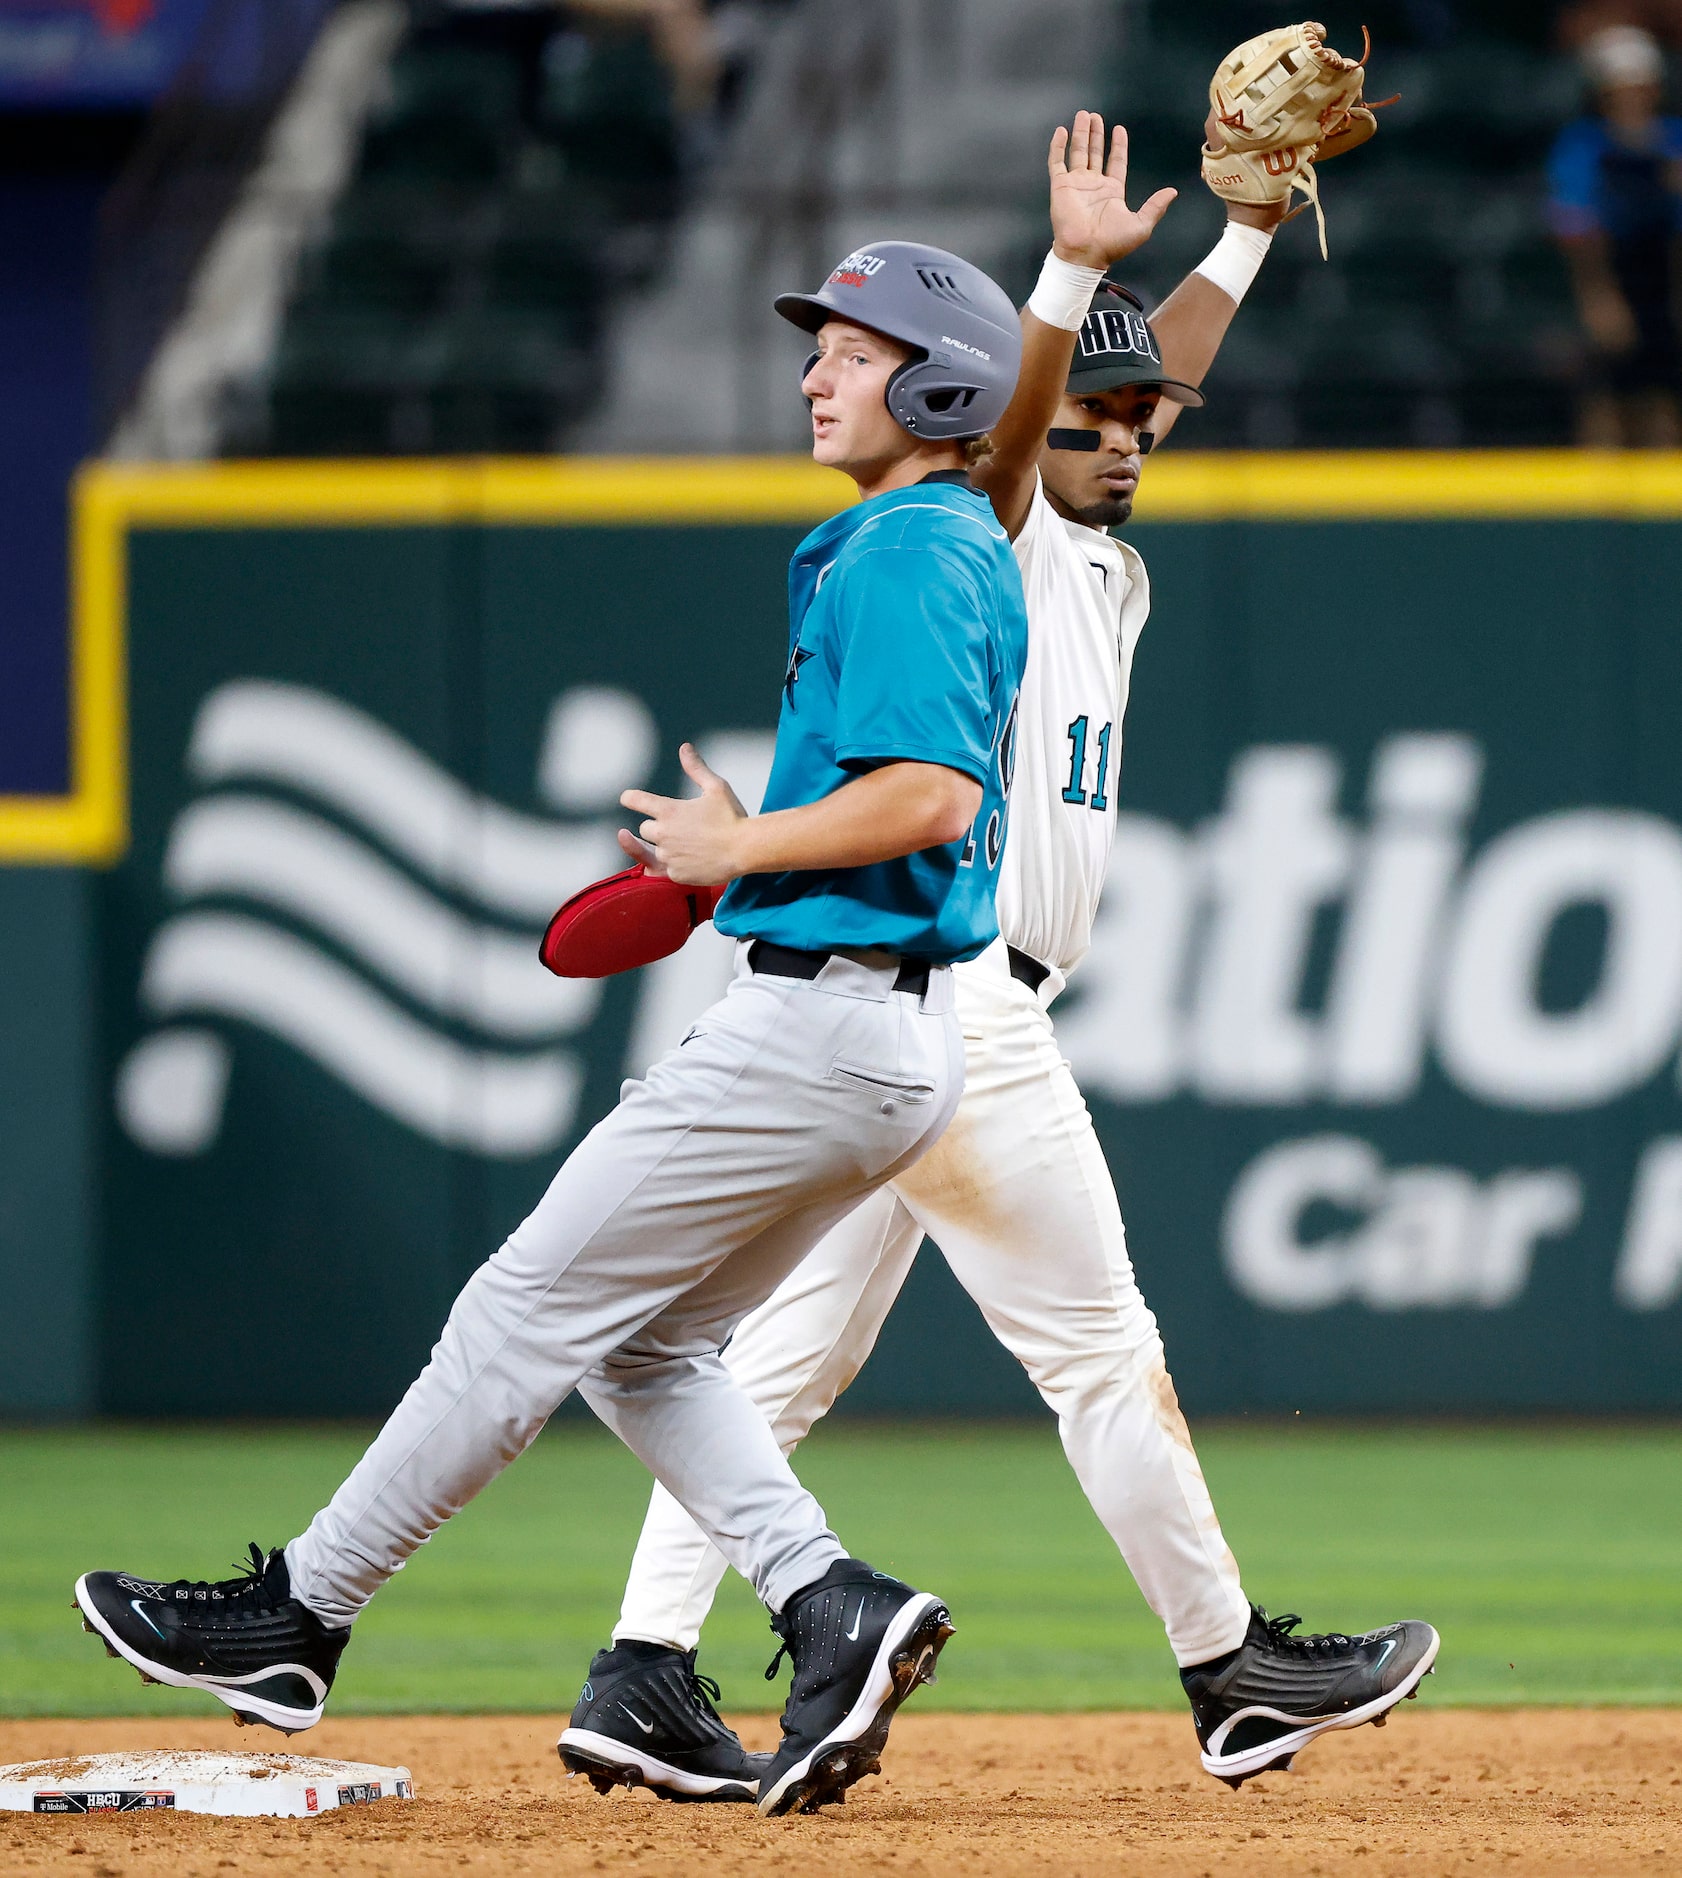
(1112, 330)
(857, 269)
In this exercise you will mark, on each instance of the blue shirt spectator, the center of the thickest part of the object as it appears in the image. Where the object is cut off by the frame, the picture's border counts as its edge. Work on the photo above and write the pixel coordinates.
(1598, 184)
(1615, 203)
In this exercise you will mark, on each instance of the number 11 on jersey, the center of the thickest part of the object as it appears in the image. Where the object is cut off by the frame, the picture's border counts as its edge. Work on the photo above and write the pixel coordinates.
(1074, 792)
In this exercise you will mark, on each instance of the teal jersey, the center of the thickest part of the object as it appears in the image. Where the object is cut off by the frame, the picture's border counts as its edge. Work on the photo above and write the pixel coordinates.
(907, 639)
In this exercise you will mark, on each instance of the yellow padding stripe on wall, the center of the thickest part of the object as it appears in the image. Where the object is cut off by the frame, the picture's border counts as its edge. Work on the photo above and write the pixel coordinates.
(1178, 486)
(492, 489)
(90, 824)
(1403, 485)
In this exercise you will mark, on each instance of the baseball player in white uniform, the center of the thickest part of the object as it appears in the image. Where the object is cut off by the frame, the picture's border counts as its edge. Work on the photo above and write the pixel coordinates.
(1016, 1194)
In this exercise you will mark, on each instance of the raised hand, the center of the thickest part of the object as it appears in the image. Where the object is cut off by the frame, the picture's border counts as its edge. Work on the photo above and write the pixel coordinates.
(1091, 224)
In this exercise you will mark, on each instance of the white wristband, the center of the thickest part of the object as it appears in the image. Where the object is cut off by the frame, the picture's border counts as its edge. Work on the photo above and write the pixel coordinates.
(1064, 292)
(1236, 258)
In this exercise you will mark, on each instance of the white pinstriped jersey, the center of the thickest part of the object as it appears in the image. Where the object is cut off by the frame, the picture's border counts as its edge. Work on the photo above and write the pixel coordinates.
(1088, 598)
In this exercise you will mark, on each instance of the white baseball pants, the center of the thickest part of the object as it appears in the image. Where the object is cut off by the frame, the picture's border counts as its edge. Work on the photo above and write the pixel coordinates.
(676, 1216)
(1019, 1198)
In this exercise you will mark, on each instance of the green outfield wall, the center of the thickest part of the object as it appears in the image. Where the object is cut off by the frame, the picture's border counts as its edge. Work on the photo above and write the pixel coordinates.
(1380, 1027)
(49, 1125)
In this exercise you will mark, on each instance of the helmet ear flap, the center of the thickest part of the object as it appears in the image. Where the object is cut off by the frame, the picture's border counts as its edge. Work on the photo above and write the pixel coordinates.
(926, 398)
(902, 410)
(905, 406)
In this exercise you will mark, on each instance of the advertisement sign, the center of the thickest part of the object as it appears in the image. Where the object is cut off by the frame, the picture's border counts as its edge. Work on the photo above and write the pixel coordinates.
(1380, 1026)
(90, 53)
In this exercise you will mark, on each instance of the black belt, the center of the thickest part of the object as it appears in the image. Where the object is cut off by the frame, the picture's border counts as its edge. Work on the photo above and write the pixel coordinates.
(786, 962)
(1027, 971)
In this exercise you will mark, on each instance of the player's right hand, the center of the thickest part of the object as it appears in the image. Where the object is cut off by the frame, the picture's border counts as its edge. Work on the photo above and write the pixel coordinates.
(1091, 224)
(691, 839)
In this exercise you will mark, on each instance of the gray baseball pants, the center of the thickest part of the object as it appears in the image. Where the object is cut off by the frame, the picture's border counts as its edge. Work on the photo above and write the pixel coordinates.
(675, 1217)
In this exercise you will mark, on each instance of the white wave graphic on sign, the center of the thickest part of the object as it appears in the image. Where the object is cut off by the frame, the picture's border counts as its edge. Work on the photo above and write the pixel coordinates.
(288, 861)
(225, 965)
(520, 866)
(303, 866)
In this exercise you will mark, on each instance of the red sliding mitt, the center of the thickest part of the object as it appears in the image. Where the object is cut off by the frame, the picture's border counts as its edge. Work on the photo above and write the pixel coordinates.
(627, 920)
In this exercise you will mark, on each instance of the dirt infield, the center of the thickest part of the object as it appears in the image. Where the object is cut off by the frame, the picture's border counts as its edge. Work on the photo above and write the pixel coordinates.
(1438, 1791)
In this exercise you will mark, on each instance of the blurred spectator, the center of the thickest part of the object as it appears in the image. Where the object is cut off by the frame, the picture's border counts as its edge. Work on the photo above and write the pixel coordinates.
(682, 32)
(1581, 21)
(1615, 202)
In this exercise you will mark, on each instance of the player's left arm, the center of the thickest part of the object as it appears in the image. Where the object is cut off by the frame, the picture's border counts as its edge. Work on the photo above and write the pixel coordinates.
(1191, 323)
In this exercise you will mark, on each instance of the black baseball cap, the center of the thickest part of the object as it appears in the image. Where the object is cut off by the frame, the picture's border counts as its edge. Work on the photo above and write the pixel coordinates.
(1115, 346)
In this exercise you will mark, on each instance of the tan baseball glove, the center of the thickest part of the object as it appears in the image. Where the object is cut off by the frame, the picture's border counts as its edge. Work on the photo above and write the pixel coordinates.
(1278, 104)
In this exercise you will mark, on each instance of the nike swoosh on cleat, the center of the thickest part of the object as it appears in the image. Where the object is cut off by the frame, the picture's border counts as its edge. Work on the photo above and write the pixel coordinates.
(858, 1618)
(134, 1605)
(1389, 1645)
(646, 1727)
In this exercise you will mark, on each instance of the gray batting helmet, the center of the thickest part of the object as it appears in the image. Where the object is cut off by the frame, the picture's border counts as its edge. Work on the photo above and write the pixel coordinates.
(962, 326)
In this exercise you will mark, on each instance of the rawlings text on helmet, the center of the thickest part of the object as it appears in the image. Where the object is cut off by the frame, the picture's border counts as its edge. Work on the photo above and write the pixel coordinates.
(958, 345)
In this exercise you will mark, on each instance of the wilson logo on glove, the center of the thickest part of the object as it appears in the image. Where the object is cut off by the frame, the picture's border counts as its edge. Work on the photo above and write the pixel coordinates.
(627, 920)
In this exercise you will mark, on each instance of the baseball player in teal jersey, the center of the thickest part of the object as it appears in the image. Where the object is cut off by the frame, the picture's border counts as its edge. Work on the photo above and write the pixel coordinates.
(885, 665)
(832, 1063)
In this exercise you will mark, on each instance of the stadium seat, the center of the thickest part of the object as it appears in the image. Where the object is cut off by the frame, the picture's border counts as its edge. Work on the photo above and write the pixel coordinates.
(606, 106)
(539, 262)
(425, 213)
(339, 383)
(377, 272)
(473, 84)
(505, 383)
(453, 118)
(1532, 274)
(517, 173)
(1412, 268)
(449, 150)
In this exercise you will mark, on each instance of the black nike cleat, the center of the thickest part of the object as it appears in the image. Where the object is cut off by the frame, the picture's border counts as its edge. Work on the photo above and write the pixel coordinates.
(1259, 1706)
(247, 1640)
(645, 1719)
(860, 1642)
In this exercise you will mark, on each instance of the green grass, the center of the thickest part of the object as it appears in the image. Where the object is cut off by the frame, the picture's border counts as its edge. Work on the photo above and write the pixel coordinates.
(1548, 1559)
